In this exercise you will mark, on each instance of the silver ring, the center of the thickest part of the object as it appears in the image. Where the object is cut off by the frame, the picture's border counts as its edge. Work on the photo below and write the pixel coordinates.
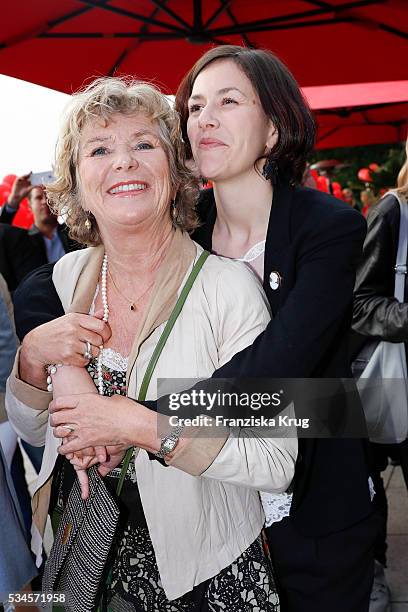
(88, 352)
(69, 427)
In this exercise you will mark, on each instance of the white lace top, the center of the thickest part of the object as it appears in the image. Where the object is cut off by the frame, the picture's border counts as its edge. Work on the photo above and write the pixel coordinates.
(113, 360)
(254, 252)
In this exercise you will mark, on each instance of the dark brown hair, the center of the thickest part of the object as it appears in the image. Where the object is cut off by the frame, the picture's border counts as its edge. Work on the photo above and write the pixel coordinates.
(281, 99)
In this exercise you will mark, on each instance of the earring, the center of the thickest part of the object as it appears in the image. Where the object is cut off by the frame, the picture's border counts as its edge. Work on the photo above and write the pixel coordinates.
(88, 224)
(173, 211)
(270, 170)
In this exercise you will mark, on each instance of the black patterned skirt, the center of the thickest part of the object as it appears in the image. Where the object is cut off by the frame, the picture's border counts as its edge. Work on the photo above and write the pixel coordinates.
(247, 585)
(134, 585)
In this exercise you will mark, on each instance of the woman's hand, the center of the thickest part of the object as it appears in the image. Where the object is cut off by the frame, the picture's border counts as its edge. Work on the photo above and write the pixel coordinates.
(99, 452)
(114, 456)
(93, 420)
(81, 461)
(81, 466)
(62, 340)
(107, 457)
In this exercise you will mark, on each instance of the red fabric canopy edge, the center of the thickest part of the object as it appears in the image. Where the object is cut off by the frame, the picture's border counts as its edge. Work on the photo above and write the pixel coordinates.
(356, 94)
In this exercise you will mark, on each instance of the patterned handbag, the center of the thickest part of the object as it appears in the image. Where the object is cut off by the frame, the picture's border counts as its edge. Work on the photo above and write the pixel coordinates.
(77, 564)
(82, 543)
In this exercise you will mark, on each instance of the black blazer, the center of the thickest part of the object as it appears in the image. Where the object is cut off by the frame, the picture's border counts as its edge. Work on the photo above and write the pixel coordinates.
(314, 242)
(22, 251)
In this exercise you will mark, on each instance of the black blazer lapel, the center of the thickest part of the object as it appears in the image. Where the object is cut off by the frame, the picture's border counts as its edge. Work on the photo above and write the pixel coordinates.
(277, 238)
(277, 245)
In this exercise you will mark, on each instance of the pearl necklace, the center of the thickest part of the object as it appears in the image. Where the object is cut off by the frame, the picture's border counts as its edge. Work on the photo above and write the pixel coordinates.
(104, 296)
(52, 368)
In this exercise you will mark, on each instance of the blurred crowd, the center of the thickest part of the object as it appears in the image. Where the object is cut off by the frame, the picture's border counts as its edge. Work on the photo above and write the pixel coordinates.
(22, 250)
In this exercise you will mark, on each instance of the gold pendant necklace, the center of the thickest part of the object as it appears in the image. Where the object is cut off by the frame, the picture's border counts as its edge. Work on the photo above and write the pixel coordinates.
(132, 303)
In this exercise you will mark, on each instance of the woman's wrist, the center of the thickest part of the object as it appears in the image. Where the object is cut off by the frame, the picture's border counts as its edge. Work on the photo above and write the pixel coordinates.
(64, 379)
(148, 433)
(140, 427)
(31, 369)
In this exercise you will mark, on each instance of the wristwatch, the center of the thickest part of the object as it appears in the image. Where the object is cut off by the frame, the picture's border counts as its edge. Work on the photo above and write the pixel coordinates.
(169, 443)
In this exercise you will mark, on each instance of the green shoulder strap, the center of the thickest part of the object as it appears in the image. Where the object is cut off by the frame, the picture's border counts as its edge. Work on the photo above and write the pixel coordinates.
(159, 347)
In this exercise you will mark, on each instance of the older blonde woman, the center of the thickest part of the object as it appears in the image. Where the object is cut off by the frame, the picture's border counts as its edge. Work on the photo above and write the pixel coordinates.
(191, 531)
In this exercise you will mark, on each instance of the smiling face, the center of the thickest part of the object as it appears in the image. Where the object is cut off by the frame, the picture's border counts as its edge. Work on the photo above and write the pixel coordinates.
(124, 172)
(227, 127)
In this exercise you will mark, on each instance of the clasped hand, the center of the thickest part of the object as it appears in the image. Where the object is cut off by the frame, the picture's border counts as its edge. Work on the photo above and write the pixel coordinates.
(85, 435)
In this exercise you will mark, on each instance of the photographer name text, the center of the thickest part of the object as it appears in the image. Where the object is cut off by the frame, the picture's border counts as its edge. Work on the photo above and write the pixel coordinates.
(203, 420)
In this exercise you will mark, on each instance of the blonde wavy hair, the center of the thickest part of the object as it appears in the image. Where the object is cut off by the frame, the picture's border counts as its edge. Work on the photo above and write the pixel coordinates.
(402, 180)
(101, 99)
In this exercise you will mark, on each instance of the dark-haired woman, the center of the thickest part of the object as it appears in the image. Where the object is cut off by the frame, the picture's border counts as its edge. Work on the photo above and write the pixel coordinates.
(250, 131)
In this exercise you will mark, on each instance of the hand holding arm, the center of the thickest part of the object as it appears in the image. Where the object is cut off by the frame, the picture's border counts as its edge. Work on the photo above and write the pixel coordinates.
(63, 380)
(62, 340)
(104, 421)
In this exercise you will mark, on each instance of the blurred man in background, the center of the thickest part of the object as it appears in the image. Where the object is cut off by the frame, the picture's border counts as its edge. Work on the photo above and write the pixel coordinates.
(22, 251)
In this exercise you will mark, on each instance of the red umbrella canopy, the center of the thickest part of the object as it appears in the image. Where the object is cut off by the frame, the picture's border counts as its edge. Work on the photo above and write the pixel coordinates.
(60, 44)
(362, 126)
(360, 113)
